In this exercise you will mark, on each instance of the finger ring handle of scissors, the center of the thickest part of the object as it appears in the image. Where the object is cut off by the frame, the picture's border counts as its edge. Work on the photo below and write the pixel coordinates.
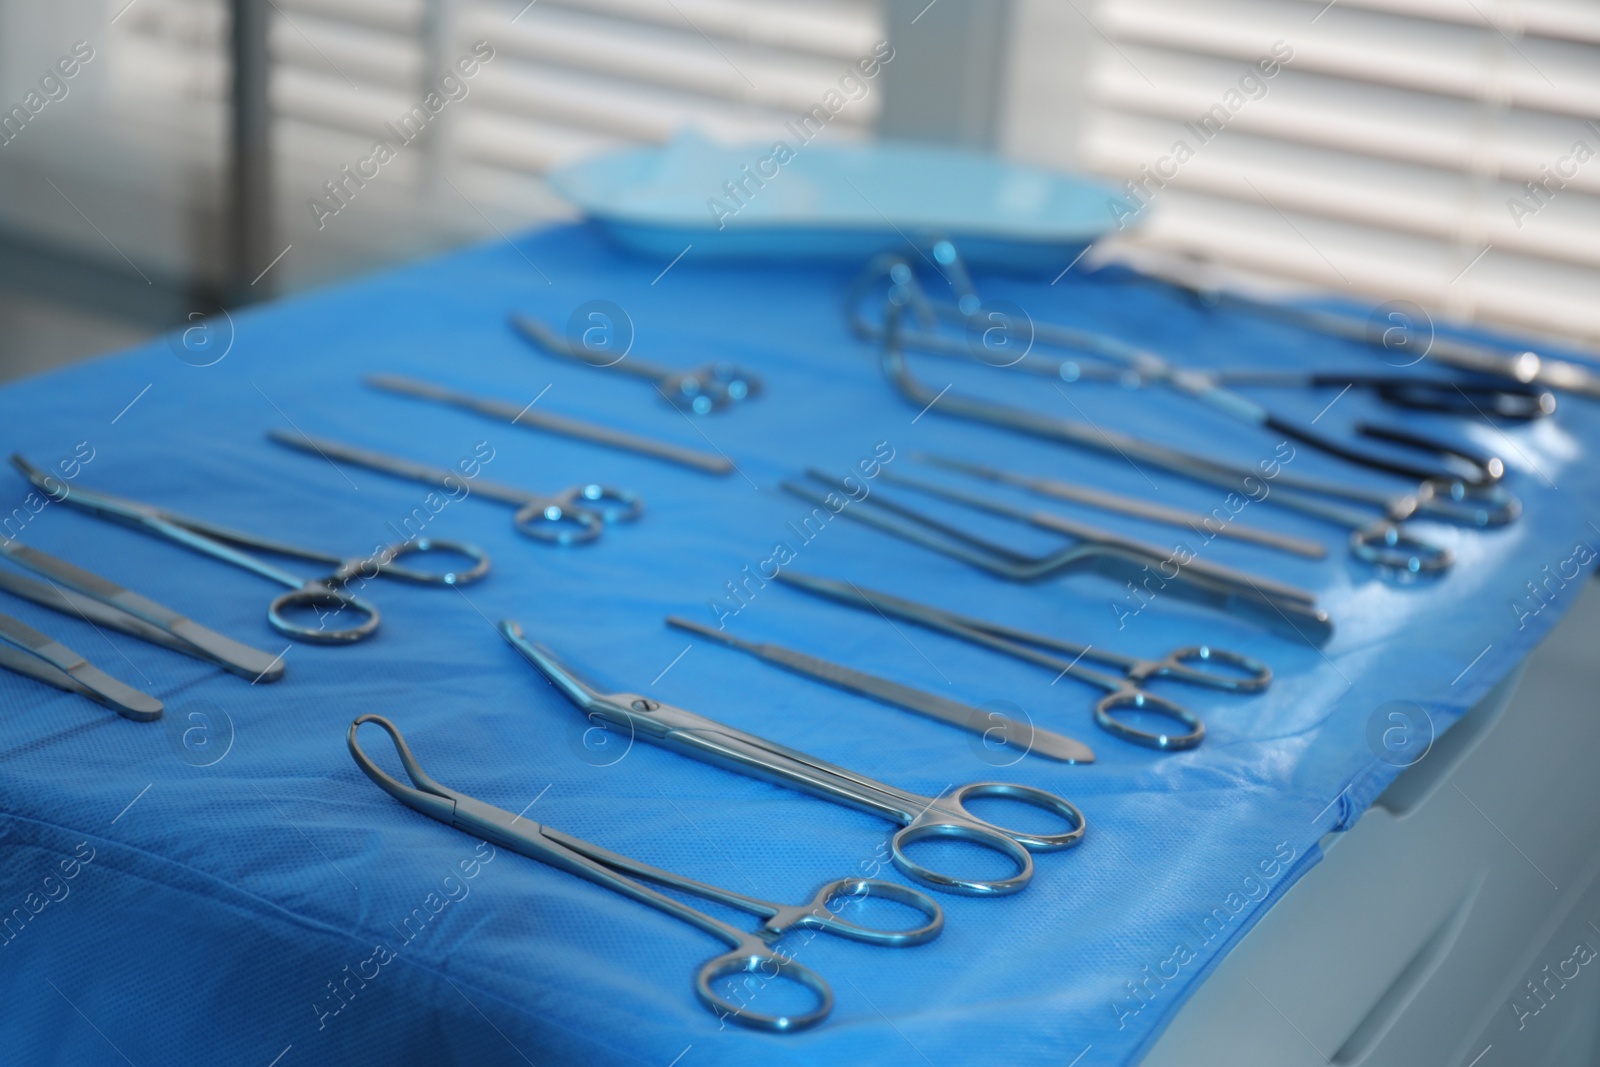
(947, 818)
(710, 387)
(1241, 673)
(753, 957)
(577, 515)
(383, 563)
(1132, 698)
(1388, 545)
(1466, 505)
(819, 914)
(317, 597)
(1519, 403)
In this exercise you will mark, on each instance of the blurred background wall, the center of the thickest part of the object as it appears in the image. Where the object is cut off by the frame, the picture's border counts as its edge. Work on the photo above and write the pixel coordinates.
(1441, 151)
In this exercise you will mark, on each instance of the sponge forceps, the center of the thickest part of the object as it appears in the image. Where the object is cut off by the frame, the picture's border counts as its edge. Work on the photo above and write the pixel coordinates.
(315, 594)
(750, 953)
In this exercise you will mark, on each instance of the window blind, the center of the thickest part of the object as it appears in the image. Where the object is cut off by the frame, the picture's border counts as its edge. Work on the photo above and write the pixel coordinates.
(1444, 151)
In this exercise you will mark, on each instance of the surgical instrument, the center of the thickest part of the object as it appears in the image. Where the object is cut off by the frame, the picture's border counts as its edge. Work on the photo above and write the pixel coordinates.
(1501, 361)
(1025, 736)
(1280, 608)
(701, 390)
(574, 516)
(1127, 505)
(1382, 540)
(556, 424)
(1125, 690)
(44, 658)
(104, 603)
(1469, 467)
(751, 952)
(921, 818)
(227, 545)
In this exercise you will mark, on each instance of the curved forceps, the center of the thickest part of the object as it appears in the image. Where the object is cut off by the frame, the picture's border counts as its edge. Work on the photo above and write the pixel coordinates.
(920, 817)
(313, 594)
(1124, 691)
(574, 516)
(751, 952)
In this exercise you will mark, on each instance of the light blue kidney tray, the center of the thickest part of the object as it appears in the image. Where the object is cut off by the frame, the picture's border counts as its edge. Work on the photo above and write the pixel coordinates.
(839, 203)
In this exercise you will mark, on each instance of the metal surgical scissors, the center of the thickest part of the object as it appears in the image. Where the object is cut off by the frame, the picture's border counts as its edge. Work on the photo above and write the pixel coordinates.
(701, 390)
(313, 594)
(751, 952)
(921, 818)
(574, 516)
(1124, 690)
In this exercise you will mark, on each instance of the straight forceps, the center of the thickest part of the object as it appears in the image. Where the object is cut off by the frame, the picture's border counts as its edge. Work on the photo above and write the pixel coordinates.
(219, 542)
(920, 817)
(44, 658)
(574, 516)
(561, 425)
(1124, 691)
(751, 952)
(75, 591)
(1281, 608)
(701, 390)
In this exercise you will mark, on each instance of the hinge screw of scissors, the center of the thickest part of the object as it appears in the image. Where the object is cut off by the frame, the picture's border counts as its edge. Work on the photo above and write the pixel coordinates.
(645, 705)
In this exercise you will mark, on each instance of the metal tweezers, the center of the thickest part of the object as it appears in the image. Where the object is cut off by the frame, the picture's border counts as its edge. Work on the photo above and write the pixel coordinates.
(42, 657)
(1281, 608)
(74, 591)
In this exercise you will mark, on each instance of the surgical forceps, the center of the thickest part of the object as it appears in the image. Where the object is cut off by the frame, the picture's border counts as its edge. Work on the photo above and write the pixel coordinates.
(751, 952)
(1141, 366)
(313, 594)
(574, 516)
(104, 603)
(920, 817)
(44, 658)
(1525, 368)
(1382, 540)
(1030, 738)
(551, 423)
(1126, 505)
(1124, 690)
(700, 390)
(1281, 608)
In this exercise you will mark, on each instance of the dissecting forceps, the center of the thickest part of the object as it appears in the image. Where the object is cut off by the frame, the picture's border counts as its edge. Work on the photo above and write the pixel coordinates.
(75, 591)
(1124, 690)
(549, 423)
(920, 817)
(574, 516)
(44, 658)
(701, 390)
(1025, 736)
(1127, 505)
(751, 953)
(1284, 609)
(312, 594)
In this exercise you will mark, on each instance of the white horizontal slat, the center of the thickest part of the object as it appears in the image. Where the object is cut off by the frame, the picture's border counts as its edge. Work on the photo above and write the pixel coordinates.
(1375, 120)
(399, 17)
(844, 30)
(367, 58)
(600, 104)
(1368, 46)
(1382, 265)
(524, 144)
(1403, 197)
(648, 57)
(1575, 20)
